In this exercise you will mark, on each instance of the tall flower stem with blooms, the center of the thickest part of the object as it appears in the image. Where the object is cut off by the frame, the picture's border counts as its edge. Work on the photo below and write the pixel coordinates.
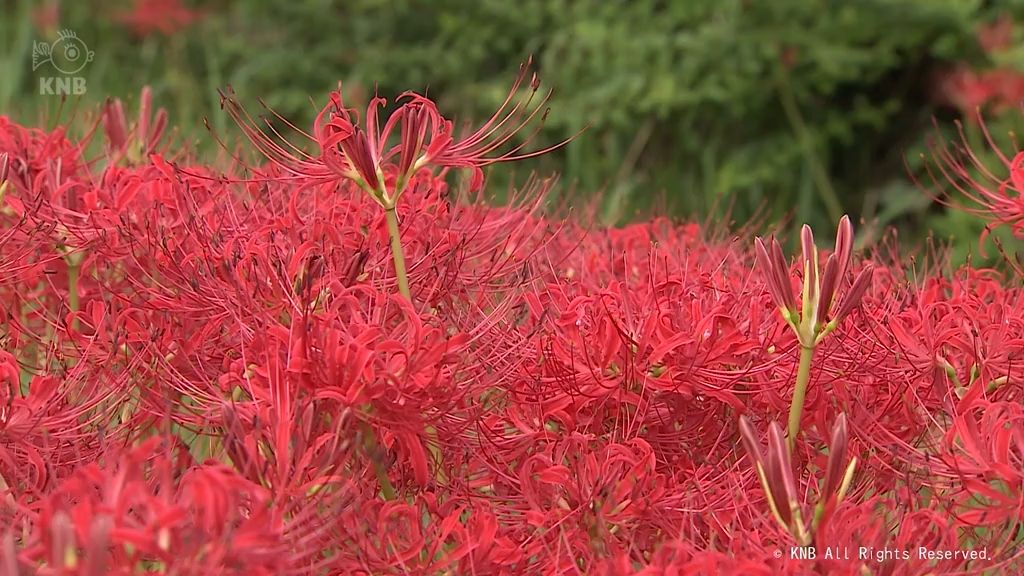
(367, 157)
(811, 321)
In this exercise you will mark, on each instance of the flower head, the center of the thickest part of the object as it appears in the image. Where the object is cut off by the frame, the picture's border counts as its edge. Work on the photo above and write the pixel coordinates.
(382, 159)
(812, 321)
(158, 16)
(995, 195)
(138, 141)
(775, 470)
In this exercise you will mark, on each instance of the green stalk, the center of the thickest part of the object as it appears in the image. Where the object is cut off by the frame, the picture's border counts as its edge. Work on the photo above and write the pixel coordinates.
(373, 451)
(796, 409)
(396, 252)
(403, 287)
(434, 446)
(73, 271)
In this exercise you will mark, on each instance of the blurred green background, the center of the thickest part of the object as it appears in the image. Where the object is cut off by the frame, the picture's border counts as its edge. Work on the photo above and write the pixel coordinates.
(787, 110)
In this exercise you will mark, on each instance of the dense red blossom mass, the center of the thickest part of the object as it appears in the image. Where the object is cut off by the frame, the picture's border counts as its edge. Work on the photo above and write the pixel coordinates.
(208, 372)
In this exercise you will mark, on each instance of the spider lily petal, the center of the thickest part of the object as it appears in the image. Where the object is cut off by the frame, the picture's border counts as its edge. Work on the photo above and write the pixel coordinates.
(777, 275)
(855, 294)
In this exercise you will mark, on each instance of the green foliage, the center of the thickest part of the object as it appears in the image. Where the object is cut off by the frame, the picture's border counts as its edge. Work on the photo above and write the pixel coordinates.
(801, 108)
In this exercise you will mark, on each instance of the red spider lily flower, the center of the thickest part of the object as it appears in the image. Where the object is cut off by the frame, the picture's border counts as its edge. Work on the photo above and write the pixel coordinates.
(142, 139)
(965, 89)
(775, 470)
(367, 156)
(837, 479)
(993, 195)
(812, 321)
(969, 90)
(114, 124)
(774, 264)
(996, 36)
(46, 18)
(158, 16)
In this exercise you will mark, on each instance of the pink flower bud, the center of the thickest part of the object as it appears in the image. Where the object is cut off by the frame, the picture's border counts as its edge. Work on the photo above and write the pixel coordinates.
(417, 118)
(62, 533)
(855, 293)
(748, 436)
(115, 125)
(829, 283)
(358, 152)
(776, 272)
(145, 104)
(844, 246)
(836, 457)
(810, 259)
(779, 470)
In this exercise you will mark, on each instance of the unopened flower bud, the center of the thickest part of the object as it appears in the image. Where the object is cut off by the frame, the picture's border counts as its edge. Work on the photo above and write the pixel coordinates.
(855, 293)
(115, 124)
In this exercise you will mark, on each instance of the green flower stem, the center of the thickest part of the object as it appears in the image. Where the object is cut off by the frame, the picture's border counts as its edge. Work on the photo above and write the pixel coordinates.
(73, 272)
(374, 452)
(403, 288)
(396, 252)
(434, 446)
(796, 409)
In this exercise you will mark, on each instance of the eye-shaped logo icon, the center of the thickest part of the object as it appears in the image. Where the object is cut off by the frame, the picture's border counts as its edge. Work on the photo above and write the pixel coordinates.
(67, 54)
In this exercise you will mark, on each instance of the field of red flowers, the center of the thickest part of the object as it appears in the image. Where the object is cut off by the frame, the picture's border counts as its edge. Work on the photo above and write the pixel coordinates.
(339, 360)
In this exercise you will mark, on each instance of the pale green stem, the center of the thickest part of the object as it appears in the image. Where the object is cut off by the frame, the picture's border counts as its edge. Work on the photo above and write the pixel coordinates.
(434, 446)
(397, 254)
(403, 288)
(73, 271)
(796, 409)
(373, 451)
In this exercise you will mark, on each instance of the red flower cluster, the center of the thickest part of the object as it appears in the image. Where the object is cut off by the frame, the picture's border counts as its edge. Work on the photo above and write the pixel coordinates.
(969, 89)
(165, 17)
(205, 372)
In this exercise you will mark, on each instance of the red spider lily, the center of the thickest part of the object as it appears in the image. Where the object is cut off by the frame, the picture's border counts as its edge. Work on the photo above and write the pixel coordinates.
(970, 90)
(838, 474)
(811, 321)
(996, 196)
(996, 36)
(775, 470)
(242, 389)
(164, 16)
(367, 156)
(141, 139)
(46, 18)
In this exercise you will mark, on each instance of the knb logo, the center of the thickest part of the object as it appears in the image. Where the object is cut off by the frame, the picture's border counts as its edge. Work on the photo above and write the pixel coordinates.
(67, 55)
